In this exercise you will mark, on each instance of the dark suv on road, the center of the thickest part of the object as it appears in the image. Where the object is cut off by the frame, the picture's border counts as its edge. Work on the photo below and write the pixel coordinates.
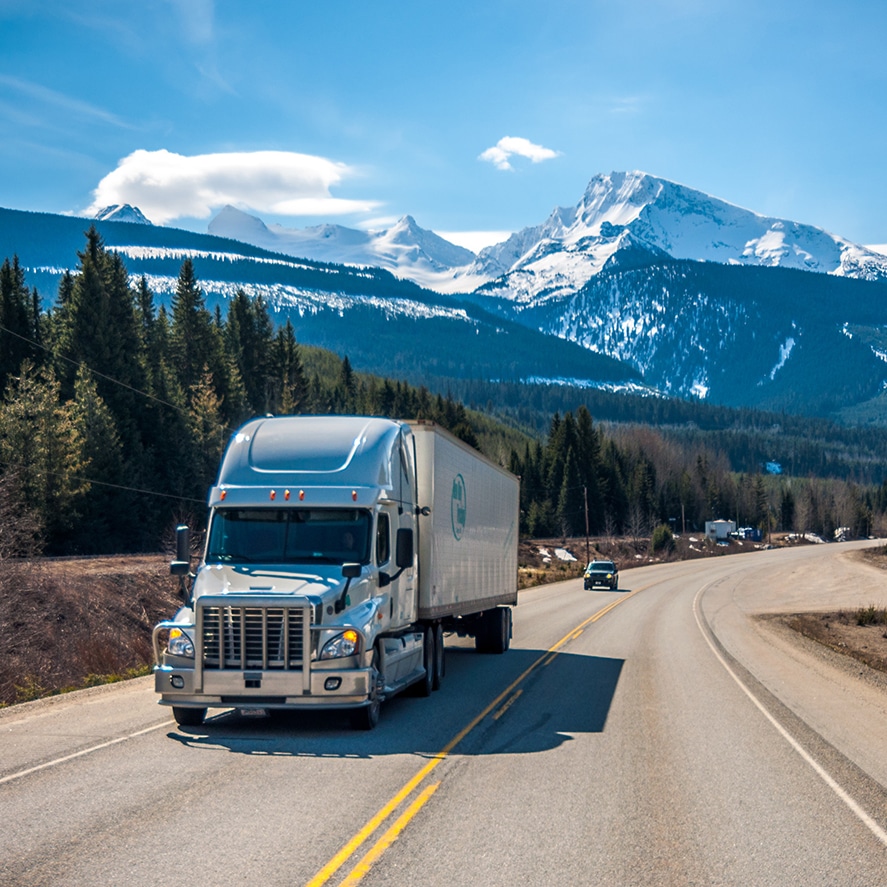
(601, 573)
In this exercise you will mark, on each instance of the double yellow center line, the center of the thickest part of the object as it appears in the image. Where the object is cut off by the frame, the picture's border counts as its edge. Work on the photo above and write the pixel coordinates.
(391, 835)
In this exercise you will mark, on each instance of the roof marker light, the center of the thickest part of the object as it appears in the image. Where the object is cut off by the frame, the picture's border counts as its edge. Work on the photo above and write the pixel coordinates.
(286, 495)
(222, 495)
(354, 495)
(273, 495)
(301, 495)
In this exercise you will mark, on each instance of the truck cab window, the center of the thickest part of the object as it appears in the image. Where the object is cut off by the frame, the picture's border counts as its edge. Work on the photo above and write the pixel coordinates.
(383, 540)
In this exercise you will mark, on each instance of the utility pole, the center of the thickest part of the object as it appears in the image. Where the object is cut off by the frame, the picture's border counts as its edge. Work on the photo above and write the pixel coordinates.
(585, 497)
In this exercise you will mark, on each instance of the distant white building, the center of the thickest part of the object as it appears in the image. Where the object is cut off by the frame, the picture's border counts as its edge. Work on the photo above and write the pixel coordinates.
(719, 530)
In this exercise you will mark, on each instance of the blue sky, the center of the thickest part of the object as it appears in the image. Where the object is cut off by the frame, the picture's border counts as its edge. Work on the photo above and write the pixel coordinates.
(469, 116)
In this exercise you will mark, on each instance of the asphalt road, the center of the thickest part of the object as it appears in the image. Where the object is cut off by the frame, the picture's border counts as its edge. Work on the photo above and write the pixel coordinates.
(656, 735)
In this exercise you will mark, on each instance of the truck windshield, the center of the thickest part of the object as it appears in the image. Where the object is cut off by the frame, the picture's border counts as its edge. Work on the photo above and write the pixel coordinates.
(289, 536)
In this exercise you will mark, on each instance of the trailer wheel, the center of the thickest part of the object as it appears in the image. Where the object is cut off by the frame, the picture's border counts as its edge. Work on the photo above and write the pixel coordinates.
(367, 718)
(188, 717)
(494, 632)
(440, 662)
(502, 630)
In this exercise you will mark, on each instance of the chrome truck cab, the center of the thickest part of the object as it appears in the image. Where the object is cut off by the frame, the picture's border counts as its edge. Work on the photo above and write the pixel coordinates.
(305, 594)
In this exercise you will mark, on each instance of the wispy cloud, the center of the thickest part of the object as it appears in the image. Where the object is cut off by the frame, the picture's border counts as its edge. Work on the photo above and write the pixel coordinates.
(514, 146)
(42, 95)
(626, 104)
(167, 186)
(197, 19)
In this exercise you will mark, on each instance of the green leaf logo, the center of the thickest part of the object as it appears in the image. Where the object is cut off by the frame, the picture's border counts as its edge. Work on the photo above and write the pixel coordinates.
(458, 506)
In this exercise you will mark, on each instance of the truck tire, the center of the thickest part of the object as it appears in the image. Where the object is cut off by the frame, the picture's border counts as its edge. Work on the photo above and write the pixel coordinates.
(503, 630)
(367, 718)
(188, 717)
(429, 659)
(494, 631)
(440, 662)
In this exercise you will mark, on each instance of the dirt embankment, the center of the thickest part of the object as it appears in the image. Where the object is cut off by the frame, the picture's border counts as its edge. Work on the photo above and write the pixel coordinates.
(860, 634)
(68, 623)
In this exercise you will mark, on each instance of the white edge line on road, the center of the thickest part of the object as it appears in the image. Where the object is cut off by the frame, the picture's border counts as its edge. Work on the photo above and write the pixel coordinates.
(79, 754)
(867, 820)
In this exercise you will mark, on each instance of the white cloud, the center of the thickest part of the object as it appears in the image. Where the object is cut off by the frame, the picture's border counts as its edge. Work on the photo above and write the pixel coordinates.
(167, 186)
(514, 146)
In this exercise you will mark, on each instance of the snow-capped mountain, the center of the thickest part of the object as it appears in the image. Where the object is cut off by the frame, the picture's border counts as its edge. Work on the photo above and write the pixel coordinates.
(627, 218)
(385, 325)
(122, 212)
(622, 219)
(405, 249)
(644, 281)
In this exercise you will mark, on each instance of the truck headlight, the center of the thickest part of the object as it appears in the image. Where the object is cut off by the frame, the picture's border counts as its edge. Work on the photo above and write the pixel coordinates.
(180, 644)
(345, 644)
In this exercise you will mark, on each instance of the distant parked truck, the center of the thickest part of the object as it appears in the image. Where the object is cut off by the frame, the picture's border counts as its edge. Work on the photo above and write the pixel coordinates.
(719, 530)
(339, 550)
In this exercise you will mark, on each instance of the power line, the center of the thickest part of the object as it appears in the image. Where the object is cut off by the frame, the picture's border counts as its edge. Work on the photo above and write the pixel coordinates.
(101, 483)
(80, 365)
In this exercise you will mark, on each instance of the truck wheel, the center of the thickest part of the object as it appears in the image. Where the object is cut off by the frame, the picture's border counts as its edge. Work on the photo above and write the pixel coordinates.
(440, 662)
(426, 685)
(503, 630)
(494, 631)
(188, 717)
(367, 718)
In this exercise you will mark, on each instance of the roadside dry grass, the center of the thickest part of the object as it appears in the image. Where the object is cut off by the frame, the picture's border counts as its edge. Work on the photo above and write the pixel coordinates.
(75, 622)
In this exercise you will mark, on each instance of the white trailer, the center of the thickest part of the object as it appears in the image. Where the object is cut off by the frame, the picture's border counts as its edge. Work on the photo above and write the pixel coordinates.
(339, 551)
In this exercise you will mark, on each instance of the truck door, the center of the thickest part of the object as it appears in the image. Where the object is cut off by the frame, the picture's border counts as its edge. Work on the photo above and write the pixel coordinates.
(401, 516)
(401, 588)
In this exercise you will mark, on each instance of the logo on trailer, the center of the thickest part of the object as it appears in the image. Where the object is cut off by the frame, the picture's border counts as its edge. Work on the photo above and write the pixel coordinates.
(458, 506)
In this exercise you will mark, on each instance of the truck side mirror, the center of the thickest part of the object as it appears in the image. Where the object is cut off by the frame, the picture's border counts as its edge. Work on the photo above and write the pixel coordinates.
(403, 556)
(181, 566)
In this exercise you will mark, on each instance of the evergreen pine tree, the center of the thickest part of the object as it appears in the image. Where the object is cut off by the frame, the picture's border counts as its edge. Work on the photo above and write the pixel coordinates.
(40, 444)
(192, 336)
(17, 319)
(105, 511)
(290, 390)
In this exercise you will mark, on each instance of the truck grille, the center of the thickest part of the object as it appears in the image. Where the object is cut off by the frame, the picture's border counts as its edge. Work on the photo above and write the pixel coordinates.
(264, 638)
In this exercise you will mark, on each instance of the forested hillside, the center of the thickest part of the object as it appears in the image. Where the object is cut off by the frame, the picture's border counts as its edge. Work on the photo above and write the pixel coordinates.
(115, 411)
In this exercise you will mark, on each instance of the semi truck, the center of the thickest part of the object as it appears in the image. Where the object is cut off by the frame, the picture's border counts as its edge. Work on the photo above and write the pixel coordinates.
(339, 551)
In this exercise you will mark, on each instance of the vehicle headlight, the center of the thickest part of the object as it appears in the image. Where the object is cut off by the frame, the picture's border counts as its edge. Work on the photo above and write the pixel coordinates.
(180, 644)
(345, 644)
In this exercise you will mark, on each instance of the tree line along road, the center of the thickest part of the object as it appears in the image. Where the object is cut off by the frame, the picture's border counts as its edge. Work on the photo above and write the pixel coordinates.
(659, 734)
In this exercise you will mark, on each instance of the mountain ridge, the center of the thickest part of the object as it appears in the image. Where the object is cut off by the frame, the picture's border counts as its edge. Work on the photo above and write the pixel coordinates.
(617, 212)
(643, 284)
